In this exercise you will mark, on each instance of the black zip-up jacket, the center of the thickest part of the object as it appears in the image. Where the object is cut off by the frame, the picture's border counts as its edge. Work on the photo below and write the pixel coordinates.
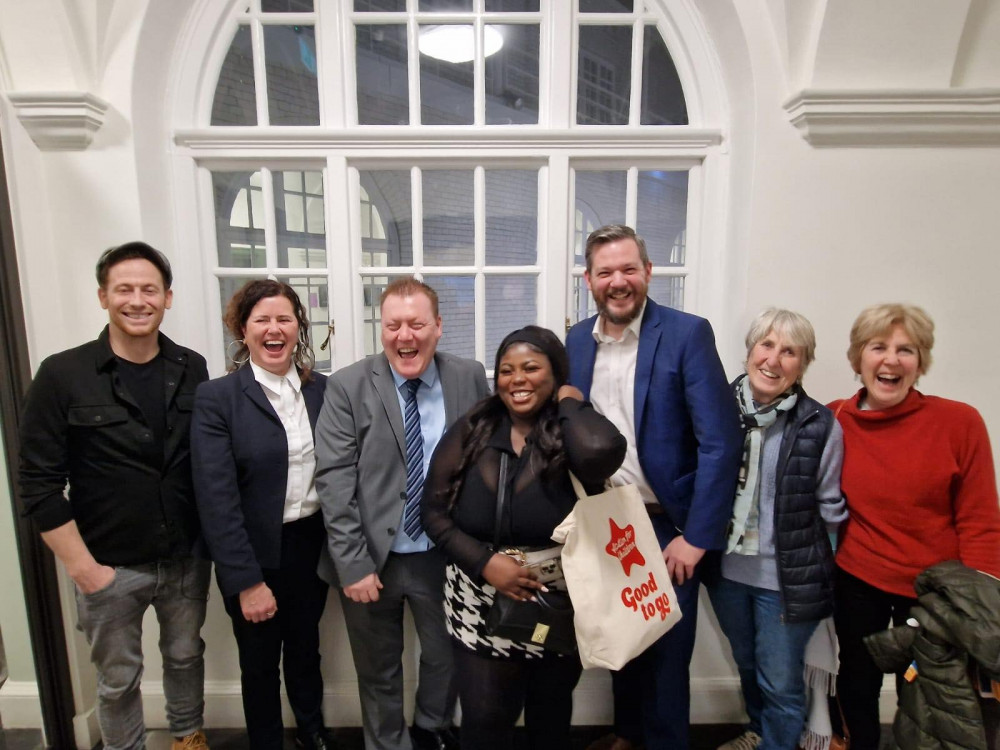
(81, 426)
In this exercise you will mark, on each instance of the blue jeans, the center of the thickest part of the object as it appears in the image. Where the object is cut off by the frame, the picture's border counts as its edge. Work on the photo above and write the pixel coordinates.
(769, 655)
(111, 619)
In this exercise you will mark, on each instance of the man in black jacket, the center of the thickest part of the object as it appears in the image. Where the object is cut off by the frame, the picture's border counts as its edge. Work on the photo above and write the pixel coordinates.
(111, 419)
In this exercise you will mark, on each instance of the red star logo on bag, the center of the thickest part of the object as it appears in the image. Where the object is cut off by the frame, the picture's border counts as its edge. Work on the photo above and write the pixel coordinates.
(622, 546)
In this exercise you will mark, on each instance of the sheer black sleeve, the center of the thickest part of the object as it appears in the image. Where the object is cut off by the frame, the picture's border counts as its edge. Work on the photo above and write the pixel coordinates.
(470, 554)
(594, 446)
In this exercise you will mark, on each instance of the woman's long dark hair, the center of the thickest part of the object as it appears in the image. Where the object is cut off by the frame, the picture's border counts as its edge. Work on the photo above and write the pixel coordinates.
(485, 417)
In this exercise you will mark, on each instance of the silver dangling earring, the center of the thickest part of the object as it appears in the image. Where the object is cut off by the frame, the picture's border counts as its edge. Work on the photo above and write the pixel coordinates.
(229, 354)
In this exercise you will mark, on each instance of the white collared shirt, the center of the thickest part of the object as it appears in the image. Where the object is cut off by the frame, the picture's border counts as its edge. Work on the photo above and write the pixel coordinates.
(612, 392)
(284, 393)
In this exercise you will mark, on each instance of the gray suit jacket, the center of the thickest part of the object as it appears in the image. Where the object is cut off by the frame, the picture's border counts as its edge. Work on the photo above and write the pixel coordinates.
(361, 459)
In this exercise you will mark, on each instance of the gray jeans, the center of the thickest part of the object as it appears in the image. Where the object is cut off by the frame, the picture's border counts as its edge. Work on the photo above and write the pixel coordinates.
(111, 618)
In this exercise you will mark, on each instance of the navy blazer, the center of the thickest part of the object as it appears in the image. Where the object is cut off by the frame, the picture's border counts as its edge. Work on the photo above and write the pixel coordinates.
(239, 454)
(687, 423)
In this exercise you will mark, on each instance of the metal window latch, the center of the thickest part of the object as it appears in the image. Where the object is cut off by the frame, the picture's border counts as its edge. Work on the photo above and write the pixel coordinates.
(330, 331)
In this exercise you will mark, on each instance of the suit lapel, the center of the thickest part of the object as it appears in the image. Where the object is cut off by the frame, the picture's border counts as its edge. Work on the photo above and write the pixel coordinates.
(385, 387)
(255, 393)
(312, 392)
(586, 359)
(449, 387)
(649, 340)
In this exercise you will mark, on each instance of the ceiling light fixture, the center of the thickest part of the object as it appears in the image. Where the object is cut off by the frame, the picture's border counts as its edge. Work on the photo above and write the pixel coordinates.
(457, 44)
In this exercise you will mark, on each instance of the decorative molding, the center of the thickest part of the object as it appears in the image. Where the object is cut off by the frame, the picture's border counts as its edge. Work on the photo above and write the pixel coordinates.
(714, 700)
(20, 705)
(59, 120)
(483, 142)
(897, 117)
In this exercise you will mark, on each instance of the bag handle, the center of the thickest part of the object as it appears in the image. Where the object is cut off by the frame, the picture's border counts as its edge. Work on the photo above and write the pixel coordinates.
(501, 498)
(581, 493)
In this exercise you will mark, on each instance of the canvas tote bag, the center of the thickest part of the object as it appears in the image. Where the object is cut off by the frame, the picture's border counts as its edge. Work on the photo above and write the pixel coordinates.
(616, 575)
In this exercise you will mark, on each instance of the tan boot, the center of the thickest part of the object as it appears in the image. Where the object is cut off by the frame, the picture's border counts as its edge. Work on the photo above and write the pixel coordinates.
(193, 741)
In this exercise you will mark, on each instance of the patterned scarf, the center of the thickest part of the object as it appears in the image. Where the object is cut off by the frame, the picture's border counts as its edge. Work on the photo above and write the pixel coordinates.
(744, 532)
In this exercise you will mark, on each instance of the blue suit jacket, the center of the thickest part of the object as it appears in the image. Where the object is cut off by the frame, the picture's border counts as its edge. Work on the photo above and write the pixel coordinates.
(239, 458)
(687, 425)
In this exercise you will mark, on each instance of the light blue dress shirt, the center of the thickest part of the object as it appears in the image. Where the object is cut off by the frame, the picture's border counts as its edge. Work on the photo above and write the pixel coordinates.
(430, 404)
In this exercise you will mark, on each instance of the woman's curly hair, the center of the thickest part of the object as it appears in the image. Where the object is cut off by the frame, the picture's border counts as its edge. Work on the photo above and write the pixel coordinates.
(485, 417)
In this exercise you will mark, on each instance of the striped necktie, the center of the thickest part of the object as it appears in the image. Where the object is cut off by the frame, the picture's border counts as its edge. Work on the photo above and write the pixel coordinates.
(414, 461)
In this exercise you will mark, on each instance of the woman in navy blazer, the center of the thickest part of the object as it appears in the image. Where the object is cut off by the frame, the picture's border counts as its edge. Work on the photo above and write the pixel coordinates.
(253, 462)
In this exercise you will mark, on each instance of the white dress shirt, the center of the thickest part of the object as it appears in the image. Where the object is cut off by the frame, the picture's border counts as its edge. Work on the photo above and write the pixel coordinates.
(284, 393)
(612, 392)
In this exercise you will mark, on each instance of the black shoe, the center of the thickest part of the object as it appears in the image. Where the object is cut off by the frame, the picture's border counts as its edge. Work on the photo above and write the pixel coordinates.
(321, 740)
(434, 739)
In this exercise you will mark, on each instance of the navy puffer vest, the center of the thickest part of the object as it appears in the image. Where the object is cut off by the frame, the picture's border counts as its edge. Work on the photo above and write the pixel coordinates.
(802, 545)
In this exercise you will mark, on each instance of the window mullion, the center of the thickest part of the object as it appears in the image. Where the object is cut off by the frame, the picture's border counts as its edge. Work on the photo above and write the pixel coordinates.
(479, 257)
(270, 219)
(342, 192)
(259, 71)
(558, 71)
(479, 73)
(635, 95)
(556, 213)
(413, 65)
(417, 201)
(333, 51)
(631, 196)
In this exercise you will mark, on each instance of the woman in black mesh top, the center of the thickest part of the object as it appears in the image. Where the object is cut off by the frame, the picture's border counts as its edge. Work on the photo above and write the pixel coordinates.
(547, 430)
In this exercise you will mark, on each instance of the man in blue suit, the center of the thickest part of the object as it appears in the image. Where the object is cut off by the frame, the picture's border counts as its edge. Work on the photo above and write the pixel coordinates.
(656, 374)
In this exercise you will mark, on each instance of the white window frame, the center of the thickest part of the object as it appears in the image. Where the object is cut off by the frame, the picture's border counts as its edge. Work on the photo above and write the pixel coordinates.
(557, 145)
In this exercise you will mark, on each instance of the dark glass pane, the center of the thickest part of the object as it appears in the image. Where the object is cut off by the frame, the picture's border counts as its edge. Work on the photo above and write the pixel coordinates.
(582, 302)
(235, 102)
(511, 217)
(667, 290)
(389, 194)
(372, 288)
(605, 75)
(600, 197)
(449, 229)
(661, 215)
(662, 95)
(605, 6)
(457, 304)
(290, 62)
(446, 85)
(286, 6)
(298, 212)
(379, 5)
(512, 77)
(511, 303)
(383, 92)
(512, 6)
(444, 6)
(239, 219)
(314, 292)
(227, 288)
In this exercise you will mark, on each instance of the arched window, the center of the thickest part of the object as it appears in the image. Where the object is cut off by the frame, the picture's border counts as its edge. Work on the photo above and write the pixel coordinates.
(474, 143)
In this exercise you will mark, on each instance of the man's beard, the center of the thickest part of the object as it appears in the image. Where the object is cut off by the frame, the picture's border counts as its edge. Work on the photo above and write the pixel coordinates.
(624, 319)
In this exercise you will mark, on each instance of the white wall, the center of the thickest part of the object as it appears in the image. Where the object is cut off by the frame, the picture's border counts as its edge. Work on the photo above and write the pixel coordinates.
(823, 230)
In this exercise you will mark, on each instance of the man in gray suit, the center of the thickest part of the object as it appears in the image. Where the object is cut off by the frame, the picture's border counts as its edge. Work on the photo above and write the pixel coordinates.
(380, 422)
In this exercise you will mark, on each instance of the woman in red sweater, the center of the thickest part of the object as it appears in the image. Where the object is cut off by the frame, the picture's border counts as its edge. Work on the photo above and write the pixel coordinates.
(920, 488)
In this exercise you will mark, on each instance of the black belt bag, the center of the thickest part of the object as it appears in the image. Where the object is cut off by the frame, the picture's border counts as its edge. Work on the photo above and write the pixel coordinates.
(547, 621)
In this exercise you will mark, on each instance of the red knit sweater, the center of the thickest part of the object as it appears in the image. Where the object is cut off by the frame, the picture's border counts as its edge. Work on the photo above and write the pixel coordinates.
(920, 489)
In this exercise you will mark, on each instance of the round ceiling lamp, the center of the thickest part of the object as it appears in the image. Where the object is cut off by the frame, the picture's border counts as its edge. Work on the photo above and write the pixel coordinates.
(456, 43)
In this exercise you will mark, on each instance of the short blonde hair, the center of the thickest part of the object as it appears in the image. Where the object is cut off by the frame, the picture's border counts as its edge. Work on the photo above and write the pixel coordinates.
(793, 326)
(878, 320)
